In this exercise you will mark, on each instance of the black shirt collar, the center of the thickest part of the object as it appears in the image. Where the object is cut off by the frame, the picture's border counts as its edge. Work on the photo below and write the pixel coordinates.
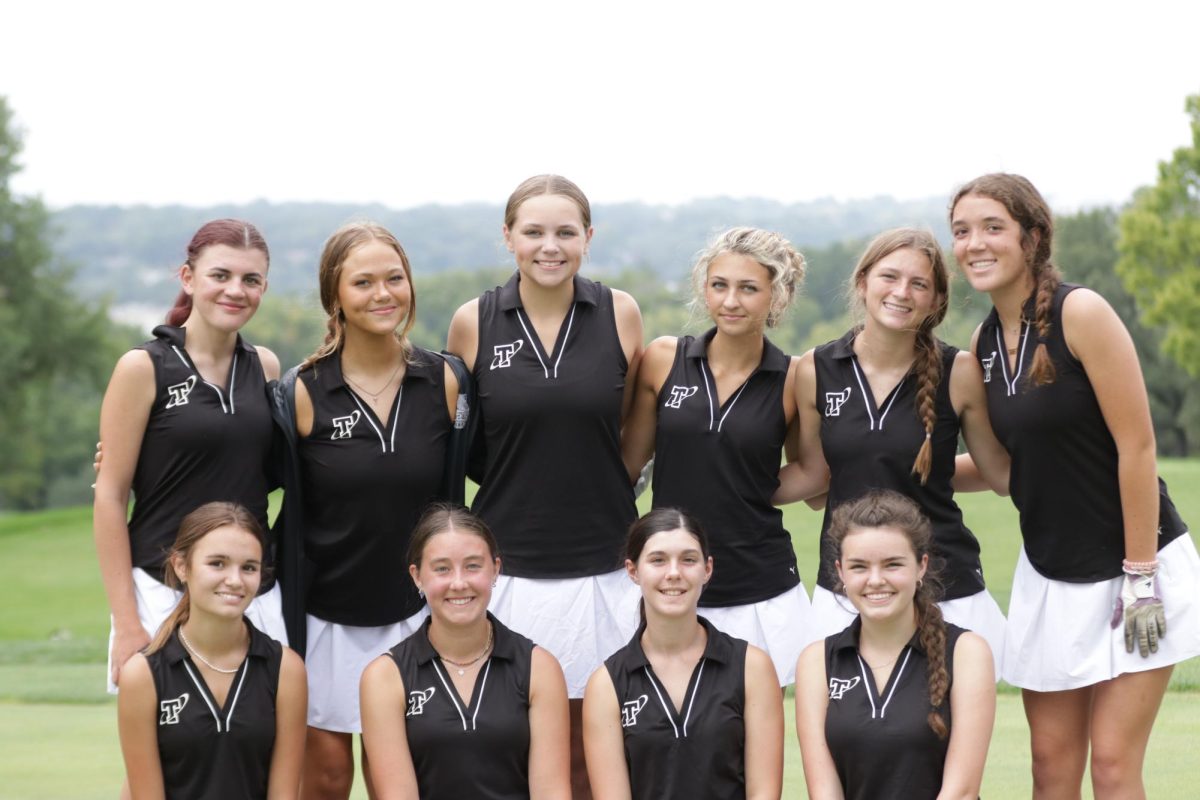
(260, 646)
(848, 638)
(504, 642)
(719, 648)
(585, 292)
(773, 359)
(844, 347)
(328, 371)
(177, 336)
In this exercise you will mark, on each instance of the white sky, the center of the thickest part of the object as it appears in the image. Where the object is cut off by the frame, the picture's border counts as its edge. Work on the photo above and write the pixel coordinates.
(413, 102)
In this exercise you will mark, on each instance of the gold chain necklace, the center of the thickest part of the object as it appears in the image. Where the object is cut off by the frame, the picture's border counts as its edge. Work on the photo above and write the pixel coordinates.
(374, 395)
(463, 665)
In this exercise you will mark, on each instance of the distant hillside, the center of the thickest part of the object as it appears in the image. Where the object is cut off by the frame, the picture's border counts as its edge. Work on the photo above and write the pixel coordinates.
(130, 253)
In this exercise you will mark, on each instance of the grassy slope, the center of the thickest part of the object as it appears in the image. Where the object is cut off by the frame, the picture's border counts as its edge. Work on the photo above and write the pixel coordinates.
(55, 624)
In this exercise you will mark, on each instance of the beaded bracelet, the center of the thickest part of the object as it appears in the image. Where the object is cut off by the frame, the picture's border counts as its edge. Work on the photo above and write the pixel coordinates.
(1139, 567)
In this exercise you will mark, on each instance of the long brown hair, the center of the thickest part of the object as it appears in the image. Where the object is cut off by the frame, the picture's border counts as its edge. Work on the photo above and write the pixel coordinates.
(883, 508)
(231, 232)
(1027, 206)
(338, 247)
(194, 527)
(928, 361)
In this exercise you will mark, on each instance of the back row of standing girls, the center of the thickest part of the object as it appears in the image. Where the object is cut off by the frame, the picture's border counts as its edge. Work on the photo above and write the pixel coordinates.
(553, 353)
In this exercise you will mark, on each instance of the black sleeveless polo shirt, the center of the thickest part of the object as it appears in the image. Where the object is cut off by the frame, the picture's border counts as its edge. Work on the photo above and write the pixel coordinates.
(872, 445)
(478, 749)
(1064, 460)
(699, 751)
(881, 742)
(554, 488)
(203, 443)
(720, 463)
(212, 752)
(366, 482)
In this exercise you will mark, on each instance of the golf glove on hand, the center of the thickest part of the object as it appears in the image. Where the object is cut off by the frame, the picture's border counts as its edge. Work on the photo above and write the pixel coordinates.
(1142, 609)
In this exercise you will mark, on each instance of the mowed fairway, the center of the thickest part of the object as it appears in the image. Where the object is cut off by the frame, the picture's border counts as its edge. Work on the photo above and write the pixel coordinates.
(58, 729)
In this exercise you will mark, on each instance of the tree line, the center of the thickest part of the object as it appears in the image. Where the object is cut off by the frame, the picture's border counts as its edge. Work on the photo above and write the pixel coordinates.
(62, 272)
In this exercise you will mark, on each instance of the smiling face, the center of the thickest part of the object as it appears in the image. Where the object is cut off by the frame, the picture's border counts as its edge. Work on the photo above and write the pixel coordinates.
(737, 294)
(456, 574)
(226, 285)
(671, 570)
(549, 239)
(899, 291)
(879, 571)
(374, 292)
(222, 571)
(988, 246)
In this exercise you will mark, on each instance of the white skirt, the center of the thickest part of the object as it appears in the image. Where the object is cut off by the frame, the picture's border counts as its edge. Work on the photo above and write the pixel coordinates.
(580, 621)
(979, 612)
(1060, 636)
(335, 659)
(779, 625)
(156, 601)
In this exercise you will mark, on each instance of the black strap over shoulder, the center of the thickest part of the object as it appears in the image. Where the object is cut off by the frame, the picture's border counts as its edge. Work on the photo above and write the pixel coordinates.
(466, 422)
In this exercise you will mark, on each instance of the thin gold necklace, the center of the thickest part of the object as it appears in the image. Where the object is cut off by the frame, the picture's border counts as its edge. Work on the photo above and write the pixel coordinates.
(204, 660)
(463, 665)
(374, 395)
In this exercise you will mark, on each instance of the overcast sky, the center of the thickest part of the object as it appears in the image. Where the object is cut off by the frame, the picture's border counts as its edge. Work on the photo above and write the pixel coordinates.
(407, 103)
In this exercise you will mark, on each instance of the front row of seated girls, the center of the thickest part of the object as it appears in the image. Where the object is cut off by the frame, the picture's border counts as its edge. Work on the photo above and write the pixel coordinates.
(900, 703)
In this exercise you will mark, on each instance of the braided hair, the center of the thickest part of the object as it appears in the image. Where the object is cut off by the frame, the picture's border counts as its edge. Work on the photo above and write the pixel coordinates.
(884, 508)
(927, 364)
(1029, 209)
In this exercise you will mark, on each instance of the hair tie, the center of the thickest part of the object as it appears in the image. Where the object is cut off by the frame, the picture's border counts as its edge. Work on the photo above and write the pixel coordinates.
(928, 436)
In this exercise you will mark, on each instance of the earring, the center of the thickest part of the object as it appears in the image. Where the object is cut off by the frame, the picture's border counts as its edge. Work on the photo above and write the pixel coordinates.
(920, 582)
(420, 594)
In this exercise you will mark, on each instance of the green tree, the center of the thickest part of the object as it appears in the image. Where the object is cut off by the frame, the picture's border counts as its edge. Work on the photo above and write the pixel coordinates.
(1085, 248)
(1160, 249)
(55, 350)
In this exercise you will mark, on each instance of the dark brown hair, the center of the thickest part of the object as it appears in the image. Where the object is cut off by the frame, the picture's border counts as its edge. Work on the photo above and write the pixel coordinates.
(443, 517)
(1027, 206)
(231, 232)
(928, 362)
(883, 508)
(546, 184)
(338, 248)
(194, 527)
(661, 520)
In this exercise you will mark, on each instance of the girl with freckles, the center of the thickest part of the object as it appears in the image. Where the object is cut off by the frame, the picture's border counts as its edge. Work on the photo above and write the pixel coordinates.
(683, 710)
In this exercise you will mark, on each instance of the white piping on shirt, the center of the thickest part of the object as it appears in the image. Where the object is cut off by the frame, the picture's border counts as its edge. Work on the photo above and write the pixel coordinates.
(691, 702)
(710, 391)
(200, 687)
(561, 349)
(451, 692)
(220, 396)
(870, 684)
(237, 693)
(1010, 386)
(868, 398)
(383, 444)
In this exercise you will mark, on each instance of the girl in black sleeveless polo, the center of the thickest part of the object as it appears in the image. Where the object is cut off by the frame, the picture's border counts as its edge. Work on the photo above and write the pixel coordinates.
(464, 707)
(372, 416)
(185, 421)
(683, 710)
(550, 352)
(214, 709)
(714, 411)
(901, 703)
(1107, 562)
(883, 407)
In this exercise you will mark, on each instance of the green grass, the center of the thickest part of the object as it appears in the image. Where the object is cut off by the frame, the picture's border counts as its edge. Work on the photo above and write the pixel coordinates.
(54, 630)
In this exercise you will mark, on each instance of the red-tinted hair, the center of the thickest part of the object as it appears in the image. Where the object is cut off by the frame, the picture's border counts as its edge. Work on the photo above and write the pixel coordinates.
(231, 232)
